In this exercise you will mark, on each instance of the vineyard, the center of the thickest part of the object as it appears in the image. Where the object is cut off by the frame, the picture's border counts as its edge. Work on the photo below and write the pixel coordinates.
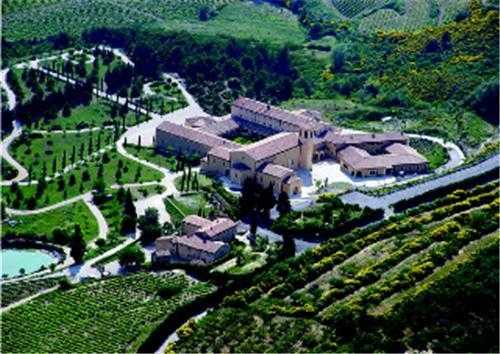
(417, 15)
(351, 9)
(12, 292)
(346, 281)
(112, 315)
(76, 16)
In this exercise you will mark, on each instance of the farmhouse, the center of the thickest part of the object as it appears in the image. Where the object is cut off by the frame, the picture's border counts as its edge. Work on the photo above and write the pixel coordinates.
(203, 241)
(290, 141)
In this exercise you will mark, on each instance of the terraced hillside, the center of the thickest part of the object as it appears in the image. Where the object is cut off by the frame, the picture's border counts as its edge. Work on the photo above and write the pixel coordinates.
(363, 285)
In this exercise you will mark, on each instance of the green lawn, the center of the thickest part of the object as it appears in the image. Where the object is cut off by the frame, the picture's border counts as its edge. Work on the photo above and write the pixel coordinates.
(97, 114)
(64, 218)
(153, 156)
(436, 154)
(112, 315)
(203, 181)
(40, 151)
(8, 172)
(131, 172)
(113, 212)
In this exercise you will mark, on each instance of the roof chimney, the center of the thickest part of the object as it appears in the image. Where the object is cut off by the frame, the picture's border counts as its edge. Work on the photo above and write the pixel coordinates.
(268, 106)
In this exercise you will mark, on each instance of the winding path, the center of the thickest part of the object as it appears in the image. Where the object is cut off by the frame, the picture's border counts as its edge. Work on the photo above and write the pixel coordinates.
(22, 173)
(11, 96)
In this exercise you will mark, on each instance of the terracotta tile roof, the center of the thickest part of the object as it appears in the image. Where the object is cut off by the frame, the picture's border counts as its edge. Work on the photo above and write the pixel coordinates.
(401, 149)
(194, 135)
(298, 120)
(275, 170)
(196, 220)
(198, 243)
(271, 146)
(360, 159)
(221, 152)
(213, 125)
(365, 138)
(217, 227)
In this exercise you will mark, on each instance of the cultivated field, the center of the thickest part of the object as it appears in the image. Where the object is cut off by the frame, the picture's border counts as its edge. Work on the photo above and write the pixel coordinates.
(112, 315)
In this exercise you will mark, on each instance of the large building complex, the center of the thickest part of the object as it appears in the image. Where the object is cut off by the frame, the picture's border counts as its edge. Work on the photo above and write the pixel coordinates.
(290, 141)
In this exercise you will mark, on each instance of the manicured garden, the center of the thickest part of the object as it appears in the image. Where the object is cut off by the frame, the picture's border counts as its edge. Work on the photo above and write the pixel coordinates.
(162, 159)
(110, 315)
(47, 154)
(42, 226)
(108, 169)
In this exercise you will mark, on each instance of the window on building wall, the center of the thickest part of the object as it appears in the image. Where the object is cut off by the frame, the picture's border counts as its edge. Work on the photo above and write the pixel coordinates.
(372, 172)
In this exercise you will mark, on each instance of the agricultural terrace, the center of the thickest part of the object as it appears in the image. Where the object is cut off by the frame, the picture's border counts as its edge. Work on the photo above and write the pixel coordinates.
(214, 17)
(338, 283)
(111, 315)
(41, 226)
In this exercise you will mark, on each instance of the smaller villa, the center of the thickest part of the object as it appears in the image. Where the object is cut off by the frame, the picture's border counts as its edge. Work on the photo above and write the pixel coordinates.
(202, 242)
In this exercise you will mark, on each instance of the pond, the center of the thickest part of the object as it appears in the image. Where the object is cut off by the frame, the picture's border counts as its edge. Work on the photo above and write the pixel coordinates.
(13, 259)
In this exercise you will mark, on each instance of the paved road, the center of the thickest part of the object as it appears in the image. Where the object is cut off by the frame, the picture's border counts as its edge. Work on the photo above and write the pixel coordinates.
(22, 173)
(11, 97)
(386, 201)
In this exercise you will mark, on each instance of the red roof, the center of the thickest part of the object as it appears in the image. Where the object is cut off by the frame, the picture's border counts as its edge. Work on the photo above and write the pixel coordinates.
(271, 146)
(194, 135)
(276, 170)
(298, 120)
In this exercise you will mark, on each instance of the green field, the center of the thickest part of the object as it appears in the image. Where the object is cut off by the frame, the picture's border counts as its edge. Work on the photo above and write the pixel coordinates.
(243, 20)
(111, 315)
(42, 225)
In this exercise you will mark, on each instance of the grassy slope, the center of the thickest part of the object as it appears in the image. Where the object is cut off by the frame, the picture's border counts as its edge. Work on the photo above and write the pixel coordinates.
(63, 218)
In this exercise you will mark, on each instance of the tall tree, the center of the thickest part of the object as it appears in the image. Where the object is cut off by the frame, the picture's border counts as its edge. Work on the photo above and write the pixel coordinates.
(284, 205)
(77, 245)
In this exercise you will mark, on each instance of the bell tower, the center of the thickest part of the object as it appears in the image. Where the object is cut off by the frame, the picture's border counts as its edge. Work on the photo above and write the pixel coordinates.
(306, 138)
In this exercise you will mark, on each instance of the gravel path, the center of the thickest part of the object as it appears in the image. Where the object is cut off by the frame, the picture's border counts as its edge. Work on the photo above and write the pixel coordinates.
(386, 201)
